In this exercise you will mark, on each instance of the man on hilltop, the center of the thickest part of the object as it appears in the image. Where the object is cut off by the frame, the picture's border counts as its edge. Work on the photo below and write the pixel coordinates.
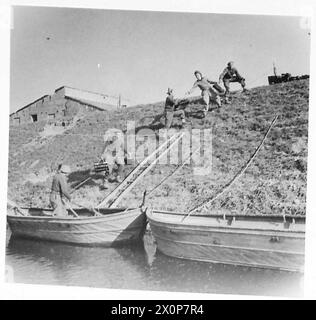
(231, 74)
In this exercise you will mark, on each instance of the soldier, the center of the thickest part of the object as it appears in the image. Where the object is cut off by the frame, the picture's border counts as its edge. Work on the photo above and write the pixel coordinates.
(60, 191)
(231, 74)
(113, 154)
(170, 112)
(207, 91)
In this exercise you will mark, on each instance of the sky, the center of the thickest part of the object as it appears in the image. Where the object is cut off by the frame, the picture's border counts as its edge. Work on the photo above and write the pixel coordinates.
(140, 54)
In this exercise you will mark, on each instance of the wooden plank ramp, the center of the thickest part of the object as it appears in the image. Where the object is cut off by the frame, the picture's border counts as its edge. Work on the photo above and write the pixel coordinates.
(112, 199)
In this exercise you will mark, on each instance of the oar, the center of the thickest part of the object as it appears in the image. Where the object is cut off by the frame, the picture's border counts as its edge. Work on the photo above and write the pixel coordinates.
(172, 173)
(17, 208)
(73, 211)
(80, 184)
(89, 209)
(67, 204)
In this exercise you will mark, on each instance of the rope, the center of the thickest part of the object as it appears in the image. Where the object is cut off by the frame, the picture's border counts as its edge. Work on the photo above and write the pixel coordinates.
(173, 172)
(235, 178)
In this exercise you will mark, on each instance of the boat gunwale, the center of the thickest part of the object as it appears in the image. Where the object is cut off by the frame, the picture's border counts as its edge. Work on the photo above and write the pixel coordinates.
(72, 219)
(230, 215)
(240, 231)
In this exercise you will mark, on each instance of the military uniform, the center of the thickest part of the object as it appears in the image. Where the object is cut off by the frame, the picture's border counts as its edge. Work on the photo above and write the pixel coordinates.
(170, 111)
(207, 92)
(114, 154)
(231, 74)
(59, 192)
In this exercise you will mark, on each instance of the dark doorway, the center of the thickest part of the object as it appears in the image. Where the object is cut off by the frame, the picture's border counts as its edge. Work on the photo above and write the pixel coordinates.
(34, 117)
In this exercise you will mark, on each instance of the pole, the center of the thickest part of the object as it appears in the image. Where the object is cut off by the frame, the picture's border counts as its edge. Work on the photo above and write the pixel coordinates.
(80, 184)
(236, 177)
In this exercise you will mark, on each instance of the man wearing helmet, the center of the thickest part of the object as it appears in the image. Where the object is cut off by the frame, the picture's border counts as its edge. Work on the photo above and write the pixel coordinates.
(170, 110)
(231, 74)
(207, 91)
(60, 191)
(113, 153)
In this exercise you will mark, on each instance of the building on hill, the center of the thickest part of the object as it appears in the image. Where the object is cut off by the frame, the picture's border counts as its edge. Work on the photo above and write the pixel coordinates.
(284, 77)
(65, 103)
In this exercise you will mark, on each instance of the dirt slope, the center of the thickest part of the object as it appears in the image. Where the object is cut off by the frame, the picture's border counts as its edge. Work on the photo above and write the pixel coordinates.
(274, 183)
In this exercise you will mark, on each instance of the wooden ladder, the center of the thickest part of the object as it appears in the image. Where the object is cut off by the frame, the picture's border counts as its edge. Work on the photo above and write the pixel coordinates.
(112, 199)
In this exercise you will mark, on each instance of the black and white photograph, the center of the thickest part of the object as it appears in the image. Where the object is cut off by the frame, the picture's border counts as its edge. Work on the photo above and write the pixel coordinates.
(162, 151)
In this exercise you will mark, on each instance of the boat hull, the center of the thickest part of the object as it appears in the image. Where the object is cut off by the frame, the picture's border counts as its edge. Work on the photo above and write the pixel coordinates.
(112, 228)
(256, 242)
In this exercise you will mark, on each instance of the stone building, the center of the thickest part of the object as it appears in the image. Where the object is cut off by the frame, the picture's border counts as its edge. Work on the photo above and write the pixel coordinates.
(64, 104)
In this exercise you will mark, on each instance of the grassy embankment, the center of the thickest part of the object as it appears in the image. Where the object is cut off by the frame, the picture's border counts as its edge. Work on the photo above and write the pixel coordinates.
(274, 183)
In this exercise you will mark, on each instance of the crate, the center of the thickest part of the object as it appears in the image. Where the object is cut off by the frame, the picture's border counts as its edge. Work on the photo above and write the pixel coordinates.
(101, 166)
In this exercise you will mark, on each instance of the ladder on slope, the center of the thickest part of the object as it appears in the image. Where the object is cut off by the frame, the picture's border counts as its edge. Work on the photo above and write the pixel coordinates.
(138, 172)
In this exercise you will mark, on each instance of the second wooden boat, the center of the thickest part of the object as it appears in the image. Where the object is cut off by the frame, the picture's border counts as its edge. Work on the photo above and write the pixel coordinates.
(264, 241)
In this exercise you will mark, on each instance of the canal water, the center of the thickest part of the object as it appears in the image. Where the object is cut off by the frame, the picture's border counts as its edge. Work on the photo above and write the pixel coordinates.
(139, 267)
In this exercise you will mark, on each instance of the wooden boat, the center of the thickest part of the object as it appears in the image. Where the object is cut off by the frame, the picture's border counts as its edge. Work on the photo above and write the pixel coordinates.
(268, 241)
(108, 226)
(112, 226)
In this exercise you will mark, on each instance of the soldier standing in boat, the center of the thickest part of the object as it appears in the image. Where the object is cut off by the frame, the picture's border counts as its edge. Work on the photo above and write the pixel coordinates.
(113, 154)
(170, 110)
(231, 74)
(60, 191)
(207, 91)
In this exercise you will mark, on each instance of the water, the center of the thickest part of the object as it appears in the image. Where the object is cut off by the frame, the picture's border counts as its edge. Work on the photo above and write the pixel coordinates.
(139, 267)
